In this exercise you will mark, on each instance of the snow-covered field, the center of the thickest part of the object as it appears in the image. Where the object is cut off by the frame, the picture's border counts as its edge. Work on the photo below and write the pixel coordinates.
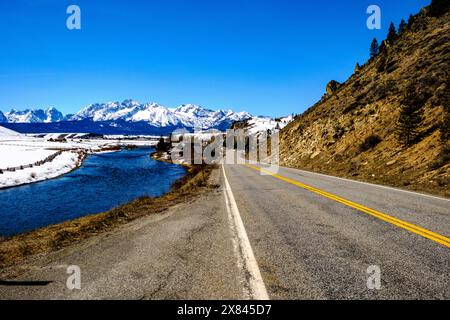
(14, 156)
(21, 150)
(64, 163)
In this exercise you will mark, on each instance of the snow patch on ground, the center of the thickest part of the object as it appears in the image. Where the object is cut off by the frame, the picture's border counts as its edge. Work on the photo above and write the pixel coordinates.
(64, 163)
(260, 124)
(15, 156)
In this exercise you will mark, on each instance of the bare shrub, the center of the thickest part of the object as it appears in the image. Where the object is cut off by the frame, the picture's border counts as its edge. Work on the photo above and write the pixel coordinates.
(442, 159)
(370, 142)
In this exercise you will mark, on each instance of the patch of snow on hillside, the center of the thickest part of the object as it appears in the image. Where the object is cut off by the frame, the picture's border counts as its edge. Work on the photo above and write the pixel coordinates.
(7, 133)
(260, 124)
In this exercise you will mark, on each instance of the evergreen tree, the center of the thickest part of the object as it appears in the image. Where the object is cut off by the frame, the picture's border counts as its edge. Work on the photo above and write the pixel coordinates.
(402, 27)
(410, 22)
(439, 7)
(445, 126)
(410, 119)
(392, 35)
(374, 48)
(162, 145)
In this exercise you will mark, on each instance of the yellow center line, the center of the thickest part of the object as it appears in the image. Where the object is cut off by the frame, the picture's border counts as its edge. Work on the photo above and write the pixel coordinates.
(377, 214)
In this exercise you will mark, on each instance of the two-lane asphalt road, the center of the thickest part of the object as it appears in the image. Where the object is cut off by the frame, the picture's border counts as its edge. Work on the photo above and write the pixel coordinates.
(296, 235)
(315, 236)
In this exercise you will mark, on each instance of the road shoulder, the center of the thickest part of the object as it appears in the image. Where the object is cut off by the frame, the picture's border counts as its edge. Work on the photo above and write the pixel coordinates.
(185, 252)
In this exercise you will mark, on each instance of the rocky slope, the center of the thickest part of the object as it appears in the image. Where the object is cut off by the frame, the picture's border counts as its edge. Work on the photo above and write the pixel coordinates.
(352, 131)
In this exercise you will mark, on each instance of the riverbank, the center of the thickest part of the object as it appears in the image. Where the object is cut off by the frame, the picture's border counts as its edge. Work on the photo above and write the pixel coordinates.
(55, 237)
(161, 156)
(62, 164)
(30, 159)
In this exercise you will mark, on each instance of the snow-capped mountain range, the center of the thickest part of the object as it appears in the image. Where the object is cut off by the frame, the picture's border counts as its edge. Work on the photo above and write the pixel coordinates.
(32, 116)
(127, 116)
(189, 115)
(132, 117)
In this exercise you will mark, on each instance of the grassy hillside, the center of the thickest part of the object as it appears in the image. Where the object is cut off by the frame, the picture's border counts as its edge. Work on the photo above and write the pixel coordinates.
(354, 131)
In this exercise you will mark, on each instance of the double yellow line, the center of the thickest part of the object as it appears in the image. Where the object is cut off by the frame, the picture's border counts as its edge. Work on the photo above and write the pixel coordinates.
(382, 216)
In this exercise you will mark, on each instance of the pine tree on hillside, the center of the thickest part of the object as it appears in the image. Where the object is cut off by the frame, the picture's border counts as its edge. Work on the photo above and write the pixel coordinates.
(277, 127)
(392, 34)
(410, 22)
(445, 125)
(445, 128)
(410, 119)
(402, 27)
(374, 48)
(439, 7)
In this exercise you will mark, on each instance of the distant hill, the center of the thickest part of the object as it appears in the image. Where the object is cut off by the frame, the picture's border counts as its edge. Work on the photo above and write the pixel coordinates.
(5, 132)
(354, 130)
(2, 118)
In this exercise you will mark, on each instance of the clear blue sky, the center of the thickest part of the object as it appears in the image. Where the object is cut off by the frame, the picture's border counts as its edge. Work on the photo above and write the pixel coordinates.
(267, 57)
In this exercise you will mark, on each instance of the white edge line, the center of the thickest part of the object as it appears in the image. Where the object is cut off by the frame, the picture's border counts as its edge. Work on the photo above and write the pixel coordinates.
(368, 184)
(256, 282)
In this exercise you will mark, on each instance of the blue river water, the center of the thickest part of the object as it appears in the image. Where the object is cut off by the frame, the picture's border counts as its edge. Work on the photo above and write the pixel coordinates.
(103, 182)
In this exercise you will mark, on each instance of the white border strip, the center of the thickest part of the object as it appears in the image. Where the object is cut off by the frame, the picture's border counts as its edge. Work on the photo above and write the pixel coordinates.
(245, 253)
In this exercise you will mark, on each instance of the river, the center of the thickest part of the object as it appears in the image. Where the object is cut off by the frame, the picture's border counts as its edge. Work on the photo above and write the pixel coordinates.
(104, 181)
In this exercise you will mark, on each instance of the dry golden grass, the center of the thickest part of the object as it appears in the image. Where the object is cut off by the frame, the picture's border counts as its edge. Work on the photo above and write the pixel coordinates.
(335, 135)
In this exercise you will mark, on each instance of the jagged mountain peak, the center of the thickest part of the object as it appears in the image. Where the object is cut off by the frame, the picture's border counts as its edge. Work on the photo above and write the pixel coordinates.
(34, 115)
(186, 115)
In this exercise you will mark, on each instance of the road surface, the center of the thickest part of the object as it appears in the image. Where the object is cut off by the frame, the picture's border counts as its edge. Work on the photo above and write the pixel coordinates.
(296, 235)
